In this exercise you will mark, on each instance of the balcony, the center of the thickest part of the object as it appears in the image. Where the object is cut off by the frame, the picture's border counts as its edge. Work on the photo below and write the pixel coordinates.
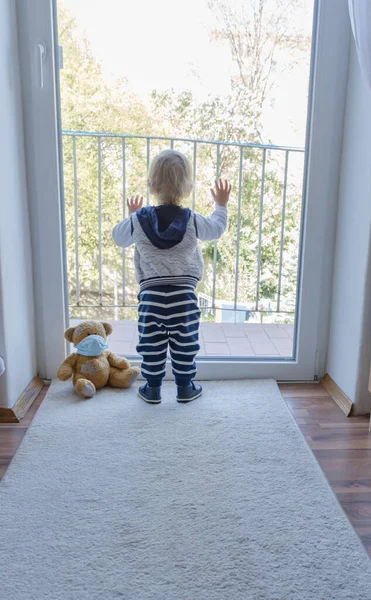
(217, 339)
(248, 297)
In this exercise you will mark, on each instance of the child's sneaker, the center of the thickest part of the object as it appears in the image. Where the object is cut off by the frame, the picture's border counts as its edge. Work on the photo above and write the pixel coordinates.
(152, 395)
(189, 392)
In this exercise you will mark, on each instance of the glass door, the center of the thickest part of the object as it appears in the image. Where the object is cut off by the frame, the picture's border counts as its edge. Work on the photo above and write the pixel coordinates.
(244, 98)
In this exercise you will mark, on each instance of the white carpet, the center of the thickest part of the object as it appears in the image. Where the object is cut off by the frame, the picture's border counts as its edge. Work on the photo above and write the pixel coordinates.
(111, 498)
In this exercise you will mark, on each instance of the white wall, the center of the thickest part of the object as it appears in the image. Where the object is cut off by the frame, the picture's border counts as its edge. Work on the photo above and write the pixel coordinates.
(349, 352)
(333, 103)
(17, 332)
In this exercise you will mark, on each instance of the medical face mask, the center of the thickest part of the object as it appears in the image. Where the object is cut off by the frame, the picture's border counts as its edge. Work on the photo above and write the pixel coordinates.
(92, 345)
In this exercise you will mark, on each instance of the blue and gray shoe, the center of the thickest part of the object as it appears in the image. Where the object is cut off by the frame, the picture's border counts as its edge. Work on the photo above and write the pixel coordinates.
(152, 395)
(189, 392)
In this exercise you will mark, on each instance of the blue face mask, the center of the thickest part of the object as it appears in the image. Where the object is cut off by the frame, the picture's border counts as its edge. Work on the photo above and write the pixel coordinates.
(92, 345)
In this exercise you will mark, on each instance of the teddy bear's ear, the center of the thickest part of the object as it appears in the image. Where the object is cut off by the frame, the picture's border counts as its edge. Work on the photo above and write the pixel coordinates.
(107, 327)
(68, 334)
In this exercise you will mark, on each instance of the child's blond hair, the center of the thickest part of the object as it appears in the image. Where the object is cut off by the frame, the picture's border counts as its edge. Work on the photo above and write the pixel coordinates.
(170, 177)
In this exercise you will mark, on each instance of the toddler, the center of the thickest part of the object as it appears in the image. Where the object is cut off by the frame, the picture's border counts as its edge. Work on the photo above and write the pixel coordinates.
(168, 266)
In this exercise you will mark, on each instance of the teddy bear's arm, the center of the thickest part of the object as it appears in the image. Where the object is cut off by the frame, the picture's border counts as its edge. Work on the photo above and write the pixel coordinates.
(65, 371)
(117, 361)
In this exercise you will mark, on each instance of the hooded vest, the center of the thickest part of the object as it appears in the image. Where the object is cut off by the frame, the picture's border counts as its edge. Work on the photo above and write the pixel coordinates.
(169, 257)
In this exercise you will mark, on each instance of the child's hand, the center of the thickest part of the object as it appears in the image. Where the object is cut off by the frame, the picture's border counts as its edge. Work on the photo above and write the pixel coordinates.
(221, 192)
(134, 204)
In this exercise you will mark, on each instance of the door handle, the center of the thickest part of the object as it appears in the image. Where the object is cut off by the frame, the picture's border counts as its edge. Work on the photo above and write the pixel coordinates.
(41, 50)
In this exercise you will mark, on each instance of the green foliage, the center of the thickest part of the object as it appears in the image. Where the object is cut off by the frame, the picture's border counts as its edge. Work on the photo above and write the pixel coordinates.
(90, 104)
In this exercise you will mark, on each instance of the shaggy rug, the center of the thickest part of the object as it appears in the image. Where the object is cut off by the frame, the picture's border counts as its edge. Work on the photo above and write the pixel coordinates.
(219, 499)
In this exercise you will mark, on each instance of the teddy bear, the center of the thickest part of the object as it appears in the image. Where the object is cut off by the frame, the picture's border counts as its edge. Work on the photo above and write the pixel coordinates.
(92, 365)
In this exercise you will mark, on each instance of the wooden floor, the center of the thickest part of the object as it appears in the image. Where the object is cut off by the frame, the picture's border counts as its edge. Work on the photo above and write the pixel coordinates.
(341, 445)
(11, 434)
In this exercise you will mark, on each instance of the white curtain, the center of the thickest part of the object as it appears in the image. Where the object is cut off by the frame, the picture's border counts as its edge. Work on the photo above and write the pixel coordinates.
(360, 18)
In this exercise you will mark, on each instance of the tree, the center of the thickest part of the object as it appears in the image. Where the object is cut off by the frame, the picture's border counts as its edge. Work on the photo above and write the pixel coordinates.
(181, 116)
(256, 31)
(90, 104)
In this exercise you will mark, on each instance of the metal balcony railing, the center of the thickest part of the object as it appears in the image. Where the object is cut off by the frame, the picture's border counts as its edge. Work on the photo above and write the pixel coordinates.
(117, 165)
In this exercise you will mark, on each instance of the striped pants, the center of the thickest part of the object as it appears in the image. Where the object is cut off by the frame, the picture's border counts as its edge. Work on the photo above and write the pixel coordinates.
(168, 316)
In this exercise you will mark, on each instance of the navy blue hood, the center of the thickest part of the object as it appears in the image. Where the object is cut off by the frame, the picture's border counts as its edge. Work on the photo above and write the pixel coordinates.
(165, 226)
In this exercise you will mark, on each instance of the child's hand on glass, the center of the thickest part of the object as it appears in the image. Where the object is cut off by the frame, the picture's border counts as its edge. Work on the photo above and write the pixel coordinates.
(221, 192)
(134, 204)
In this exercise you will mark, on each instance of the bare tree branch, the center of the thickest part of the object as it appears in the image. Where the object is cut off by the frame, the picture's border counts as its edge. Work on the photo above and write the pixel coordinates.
(256, 31)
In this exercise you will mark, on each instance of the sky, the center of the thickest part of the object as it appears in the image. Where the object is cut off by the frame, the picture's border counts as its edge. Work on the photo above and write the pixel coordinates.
(163, 44)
